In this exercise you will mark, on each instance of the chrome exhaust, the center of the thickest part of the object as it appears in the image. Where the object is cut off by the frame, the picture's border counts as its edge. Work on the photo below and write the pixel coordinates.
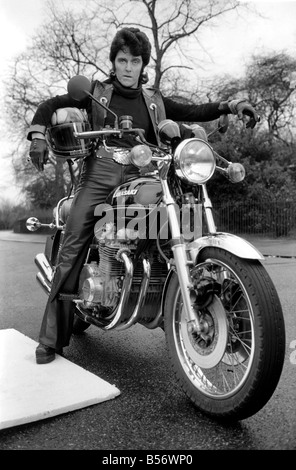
(43, 282)
(44, 267)
(127, 284)
(141, 297)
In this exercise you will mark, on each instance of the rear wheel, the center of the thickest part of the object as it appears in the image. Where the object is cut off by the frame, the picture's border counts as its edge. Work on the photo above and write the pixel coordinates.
(230, 369)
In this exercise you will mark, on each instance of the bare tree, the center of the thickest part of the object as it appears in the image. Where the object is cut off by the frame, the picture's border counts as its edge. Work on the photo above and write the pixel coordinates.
(62, 48)
(271, 84)
(77, 42)
(171, 26)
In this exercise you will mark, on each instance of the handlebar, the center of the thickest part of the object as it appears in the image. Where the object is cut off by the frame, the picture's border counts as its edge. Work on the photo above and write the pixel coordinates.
(94, 134)
(107, 131)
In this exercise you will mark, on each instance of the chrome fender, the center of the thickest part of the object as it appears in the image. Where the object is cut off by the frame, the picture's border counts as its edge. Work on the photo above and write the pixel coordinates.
(232, 243)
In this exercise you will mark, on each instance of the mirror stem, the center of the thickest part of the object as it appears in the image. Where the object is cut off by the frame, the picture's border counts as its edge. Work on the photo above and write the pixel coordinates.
(105, 107)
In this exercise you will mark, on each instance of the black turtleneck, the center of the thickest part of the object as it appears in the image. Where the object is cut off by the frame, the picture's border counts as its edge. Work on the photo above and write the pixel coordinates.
(129, 101)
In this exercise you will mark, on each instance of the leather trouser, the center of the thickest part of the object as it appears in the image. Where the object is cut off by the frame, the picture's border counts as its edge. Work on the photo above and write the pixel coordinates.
(99, 176)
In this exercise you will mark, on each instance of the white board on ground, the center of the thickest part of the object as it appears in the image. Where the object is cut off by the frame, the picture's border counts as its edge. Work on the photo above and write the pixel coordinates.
(31, 392)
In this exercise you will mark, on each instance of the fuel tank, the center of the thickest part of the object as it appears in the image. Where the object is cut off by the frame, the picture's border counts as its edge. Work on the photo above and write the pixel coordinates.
(135, 205)
(143, 191)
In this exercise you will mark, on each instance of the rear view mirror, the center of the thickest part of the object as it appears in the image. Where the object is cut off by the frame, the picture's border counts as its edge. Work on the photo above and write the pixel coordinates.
(79, 87)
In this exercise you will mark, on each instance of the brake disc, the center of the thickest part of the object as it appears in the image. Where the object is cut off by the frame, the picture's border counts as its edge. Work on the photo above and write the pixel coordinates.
(207, 349)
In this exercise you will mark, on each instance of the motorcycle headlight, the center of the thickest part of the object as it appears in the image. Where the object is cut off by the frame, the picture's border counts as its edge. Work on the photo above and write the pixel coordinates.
(194, 161)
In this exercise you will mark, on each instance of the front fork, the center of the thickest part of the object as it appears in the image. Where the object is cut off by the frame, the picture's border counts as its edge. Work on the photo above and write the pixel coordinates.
(182, 263)
(182, 251)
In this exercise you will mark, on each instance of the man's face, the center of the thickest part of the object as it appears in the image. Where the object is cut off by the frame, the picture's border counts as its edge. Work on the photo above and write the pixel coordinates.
(128, 68)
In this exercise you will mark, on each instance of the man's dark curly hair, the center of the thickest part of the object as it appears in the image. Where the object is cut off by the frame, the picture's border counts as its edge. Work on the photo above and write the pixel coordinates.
(137, 42)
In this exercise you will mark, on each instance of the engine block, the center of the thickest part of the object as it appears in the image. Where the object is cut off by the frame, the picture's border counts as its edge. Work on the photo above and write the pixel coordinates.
(97, 288)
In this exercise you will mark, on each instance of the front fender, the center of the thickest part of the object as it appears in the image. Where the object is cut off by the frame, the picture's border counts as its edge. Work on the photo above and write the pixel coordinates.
(232, 243)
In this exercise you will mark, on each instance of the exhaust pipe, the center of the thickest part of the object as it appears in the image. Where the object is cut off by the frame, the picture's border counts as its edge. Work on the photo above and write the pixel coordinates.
(43, 283)
(44, 267)
(44, 277)
(141, 297)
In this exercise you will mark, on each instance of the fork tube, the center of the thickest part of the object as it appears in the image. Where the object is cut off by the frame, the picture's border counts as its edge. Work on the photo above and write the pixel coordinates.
(208, 210)
(180, 255)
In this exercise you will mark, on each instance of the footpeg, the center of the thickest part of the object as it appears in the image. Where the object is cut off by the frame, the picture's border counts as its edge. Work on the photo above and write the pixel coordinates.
(68, 297)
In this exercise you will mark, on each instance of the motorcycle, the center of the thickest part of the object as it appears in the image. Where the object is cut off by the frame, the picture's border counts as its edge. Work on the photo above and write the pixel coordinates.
(157, 259)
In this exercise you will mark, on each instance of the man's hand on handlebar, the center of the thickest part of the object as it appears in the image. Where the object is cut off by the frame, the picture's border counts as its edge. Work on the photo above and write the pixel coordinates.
(243, 108)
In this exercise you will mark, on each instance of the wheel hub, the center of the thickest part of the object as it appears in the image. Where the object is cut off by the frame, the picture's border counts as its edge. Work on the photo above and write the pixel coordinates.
(207, 347)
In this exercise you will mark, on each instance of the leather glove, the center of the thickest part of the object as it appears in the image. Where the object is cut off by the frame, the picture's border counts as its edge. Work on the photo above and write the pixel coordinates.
(39, 153)
(242, 107)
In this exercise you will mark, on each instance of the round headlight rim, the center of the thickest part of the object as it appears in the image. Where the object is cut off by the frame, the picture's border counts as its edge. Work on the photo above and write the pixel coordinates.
(177, 160)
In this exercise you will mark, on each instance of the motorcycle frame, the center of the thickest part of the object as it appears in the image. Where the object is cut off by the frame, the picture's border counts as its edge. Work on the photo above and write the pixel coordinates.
(185, 254)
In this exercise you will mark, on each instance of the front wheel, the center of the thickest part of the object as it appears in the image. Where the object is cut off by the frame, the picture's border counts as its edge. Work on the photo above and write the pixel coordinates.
(230, 368)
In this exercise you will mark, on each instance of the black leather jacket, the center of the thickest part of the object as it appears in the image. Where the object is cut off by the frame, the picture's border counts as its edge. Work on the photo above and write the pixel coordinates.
(159, 108)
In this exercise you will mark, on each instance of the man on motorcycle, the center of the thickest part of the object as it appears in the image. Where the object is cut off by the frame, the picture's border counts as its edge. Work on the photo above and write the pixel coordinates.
(124, 94)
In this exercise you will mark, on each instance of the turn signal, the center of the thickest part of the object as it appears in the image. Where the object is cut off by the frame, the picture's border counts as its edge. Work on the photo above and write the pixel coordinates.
(141, 155)
(236, 172)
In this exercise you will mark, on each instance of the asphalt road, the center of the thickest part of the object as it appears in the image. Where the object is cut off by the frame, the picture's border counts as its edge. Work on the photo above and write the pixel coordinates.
(151, 413)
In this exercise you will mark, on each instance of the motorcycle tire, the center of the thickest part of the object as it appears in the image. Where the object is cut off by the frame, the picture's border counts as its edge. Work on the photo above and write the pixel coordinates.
(231, 370)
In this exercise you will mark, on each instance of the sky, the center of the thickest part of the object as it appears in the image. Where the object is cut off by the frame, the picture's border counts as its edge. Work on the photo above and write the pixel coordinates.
(229, 45)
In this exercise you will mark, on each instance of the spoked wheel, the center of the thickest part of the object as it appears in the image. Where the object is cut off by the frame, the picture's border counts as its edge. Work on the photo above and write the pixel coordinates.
(230, 368)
